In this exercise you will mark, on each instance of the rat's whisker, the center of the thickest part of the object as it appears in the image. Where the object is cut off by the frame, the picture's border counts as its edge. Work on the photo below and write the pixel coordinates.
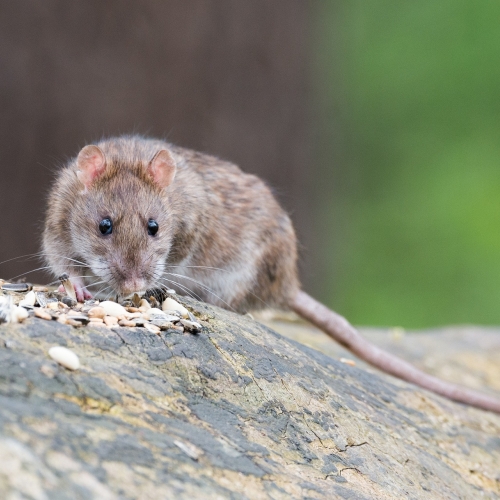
(53, 283)
(65, 257)
(29, 272)
(97, 283)
(201, 267)
(204, 287)
(182, 287)
(102, 290)
(27, 257)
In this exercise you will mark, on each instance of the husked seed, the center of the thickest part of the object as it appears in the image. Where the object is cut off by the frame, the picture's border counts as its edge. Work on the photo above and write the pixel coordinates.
(113, 309)
(152, 328)
(126, 322)
(144, 305)
(42, 313)
(96, 312)
(29, 299)
(62, 319)
(348, 361)
(172, 305)
(19, 314)
(65, 357)
(110, 320)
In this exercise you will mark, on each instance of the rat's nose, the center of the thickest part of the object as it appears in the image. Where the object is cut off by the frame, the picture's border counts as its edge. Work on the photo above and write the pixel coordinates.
(131, 285)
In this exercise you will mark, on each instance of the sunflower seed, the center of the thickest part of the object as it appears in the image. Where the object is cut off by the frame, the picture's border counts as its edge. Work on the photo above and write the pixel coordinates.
(158, 313)
(68, 301)
(159, 294)
(136, 300)
(41, 299)
(192, 326)
(17, 287)
(80, 318)
(29, 299)
(68, 286)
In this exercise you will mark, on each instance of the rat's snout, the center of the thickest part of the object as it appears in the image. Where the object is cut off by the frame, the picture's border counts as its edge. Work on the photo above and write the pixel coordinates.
(129, 272)
(132, 284)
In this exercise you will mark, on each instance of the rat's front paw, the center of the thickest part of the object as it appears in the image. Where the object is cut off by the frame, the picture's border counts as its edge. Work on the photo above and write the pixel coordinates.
(81, 291)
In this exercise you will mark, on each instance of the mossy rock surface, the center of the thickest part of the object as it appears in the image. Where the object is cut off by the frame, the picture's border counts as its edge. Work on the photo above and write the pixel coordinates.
(236, 411)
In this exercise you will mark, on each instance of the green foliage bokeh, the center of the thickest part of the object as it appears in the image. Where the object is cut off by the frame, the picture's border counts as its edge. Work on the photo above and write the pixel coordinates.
(414, 88)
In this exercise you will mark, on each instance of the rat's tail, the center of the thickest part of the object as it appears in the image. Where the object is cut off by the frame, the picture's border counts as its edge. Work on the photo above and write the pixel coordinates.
(345, 334)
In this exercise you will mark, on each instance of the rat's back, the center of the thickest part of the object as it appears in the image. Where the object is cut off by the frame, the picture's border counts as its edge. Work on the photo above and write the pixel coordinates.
(231, 242)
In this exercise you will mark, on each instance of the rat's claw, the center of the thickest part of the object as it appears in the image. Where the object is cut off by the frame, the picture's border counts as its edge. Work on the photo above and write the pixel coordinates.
(81, 291)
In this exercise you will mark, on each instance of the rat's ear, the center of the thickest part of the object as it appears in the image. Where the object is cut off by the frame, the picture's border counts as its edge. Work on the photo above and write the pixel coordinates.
(91, 163)
(162, 168)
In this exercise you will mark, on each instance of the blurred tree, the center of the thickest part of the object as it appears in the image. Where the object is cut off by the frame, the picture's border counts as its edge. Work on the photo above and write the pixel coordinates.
(414, 222)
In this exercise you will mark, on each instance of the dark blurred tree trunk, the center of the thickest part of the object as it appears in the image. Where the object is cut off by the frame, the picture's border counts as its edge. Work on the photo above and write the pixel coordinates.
(223, 76)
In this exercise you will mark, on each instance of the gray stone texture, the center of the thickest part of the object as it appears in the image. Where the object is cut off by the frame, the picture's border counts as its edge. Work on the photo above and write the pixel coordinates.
(236, 411)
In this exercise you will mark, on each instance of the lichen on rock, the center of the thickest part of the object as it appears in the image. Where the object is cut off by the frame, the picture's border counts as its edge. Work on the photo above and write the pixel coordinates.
(235, 411)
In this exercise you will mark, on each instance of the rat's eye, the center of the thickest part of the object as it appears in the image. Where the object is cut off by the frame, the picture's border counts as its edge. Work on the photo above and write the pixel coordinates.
(152, 227)
(106, 226)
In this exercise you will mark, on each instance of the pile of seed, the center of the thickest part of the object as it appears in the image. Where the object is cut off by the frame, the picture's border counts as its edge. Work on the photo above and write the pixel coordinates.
(156, 310)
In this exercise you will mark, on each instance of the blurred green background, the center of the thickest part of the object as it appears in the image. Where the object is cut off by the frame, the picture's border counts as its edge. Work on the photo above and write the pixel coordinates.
(407, 94)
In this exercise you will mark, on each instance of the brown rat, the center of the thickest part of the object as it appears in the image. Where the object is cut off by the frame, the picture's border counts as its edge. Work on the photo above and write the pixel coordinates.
(131, 213)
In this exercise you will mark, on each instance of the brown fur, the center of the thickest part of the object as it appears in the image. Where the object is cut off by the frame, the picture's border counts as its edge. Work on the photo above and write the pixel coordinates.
(212, 215)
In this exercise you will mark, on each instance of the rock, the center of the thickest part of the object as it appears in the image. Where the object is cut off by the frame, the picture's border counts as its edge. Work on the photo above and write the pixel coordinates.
(237, 411)
(466, 355)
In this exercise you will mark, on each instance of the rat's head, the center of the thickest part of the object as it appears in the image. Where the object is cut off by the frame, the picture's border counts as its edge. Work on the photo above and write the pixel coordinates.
(121, 221)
